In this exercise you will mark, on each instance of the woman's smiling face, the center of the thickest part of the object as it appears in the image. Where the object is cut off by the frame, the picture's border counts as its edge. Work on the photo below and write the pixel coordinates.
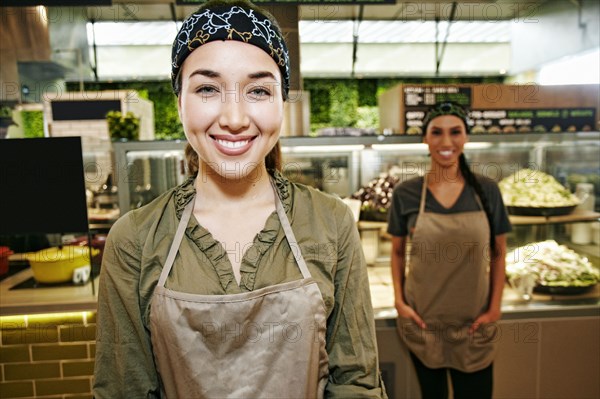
(446, 137)
(231, 107)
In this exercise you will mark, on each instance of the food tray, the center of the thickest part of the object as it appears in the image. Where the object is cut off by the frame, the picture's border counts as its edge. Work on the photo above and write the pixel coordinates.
(562, 290)
(530, 211)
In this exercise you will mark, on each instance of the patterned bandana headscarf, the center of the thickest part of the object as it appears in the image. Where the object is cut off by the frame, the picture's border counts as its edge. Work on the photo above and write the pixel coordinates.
(229, 23)
(446, 108)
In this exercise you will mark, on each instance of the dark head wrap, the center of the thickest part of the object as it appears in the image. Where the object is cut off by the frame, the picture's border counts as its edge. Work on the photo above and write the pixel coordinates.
(230, 22)
(446, 108)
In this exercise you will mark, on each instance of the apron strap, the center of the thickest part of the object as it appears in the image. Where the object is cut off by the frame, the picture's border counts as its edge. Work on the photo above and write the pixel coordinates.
(289, 235)
(479, 201)
(185, 218)
(423, 194)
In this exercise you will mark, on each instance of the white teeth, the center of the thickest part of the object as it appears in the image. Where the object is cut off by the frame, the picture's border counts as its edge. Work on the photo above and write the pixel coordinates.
(233, 144)
(445, 153)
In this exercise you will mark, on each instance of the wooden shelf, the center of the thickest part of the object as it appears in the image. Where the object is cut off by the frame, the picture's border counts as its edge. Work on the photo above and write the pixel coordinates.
(576, 216)
(371, 225)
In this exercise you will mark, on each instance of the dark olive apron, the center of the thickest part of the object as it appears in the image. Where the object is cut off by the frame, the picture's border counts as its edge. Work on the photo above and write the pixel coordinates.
(268, 343)
(447, 284)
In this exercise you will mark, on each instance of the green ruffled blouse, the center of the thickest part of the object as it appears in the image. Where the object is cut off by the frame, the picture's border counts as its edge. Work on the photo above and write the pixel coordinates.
(137, 247)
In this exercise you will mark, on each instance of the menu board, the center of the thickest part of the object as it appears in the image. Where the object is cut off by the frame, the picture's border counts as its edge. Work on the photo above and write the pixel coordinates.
(542, 120)
(418, 99)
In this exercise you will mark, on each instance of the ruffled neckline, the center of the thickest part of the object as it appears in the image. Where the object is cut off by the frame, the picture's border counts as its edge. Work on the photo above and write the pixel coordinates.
(215, 251)
(186, 191)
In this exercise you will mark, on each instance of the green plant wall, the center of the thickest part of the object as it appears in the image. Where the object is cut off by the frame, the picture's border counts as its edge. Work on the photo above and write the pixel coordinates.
(33, 123)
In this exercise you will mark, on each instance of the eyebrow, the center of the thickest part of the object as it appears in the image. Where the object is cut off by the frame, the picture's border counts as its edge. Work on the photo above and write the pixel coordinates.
(451, 127)
(261, 74)
(205, 72)
(214, 74)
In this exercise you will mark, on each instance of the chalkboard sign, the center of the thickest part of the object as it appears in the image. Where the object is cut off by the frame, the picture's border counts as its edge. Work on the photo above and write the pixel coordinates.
(535, 120)
(43, 186)
(83, 109)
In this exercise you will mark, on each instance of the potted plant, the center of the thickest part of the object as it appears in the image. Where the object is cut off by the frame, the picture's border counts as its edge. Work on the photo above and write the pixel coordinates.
(6, 120)
(123, 126)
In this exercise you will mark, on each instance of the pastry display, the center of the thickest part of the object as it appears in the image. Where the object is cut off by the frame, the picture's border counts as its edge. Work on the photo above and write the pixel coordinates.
(478, 129)
(414, 130)
(524, 129)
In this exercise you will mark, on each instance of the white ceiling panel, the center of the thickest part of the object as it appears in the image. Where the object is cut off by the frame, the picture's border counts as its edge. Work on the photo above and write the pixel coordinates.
(134, 62)
(385, 48)
(396, 60)
(404, 32)
(326, 59)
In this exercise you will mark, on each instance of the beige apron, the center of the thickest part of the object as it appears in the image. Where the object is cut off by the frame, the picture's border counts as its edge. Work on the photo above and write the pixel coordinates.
(447, 284)
(267, 343)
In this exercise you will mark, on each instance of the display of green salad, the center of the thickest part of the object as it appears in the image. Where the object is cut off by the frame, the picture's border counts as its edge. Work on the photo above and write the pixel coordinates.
(552, 264)
(535, 189)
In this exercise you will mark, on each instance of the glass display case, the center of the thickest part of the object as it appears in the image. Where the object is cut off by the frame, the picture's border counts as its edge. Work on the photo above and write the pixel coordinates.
(341, 165)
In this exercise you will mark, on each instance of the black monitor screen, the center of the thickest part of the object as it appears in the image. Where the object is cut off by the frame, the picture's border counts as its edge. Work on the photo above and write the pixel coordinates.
(83, 109)
(42, 186)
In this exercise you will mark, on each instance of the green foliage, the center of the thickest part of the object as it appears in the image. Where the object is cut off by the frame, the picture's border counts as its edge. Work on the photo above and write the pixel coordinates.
(368, 117)
(344, 104)
(166, 117)
(123, 126)
(33, 123)
(319, 101)
(5, 111)
(367, 92)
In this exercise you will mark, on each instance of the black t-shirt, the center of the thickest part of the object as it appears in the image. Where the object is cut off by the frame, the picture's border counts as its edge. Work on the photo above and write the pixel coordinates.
(407, 196)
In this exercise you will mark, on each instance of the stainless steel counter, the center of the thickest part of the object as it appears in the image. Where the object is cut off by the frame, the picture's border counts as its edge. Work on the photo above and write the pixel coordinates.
(513, 308)
(84, 298)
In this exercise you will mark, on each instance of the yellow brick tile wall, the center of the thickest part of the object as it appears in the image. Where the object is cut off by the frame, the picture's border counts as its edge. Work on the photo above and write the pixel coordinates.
(47, 356)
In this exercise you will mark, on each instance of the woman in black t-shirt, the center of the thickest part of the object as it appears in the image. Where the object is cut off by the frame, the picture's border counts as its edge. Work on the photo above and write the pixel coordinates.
(449, 298)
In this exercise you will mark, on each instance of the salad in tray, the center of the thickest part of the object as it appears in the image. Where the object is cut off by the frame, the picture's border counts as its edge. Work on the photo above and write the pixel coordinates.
(535, 189)
(553, 265)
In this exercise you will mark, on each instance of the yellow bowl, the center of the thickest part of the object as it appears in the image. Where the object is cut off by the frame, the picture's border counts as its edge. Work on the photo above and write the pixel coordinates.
(56, 264)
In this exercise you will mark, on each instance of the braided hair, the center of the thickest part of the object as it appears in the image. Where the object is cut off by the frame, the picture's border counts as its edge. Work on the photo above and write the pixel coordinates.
(449, 108)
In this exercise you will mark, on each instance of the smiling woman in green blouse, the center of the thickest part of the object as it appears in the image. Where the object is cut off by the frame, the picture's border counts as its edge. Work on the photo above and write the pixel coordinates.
(237, 283)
